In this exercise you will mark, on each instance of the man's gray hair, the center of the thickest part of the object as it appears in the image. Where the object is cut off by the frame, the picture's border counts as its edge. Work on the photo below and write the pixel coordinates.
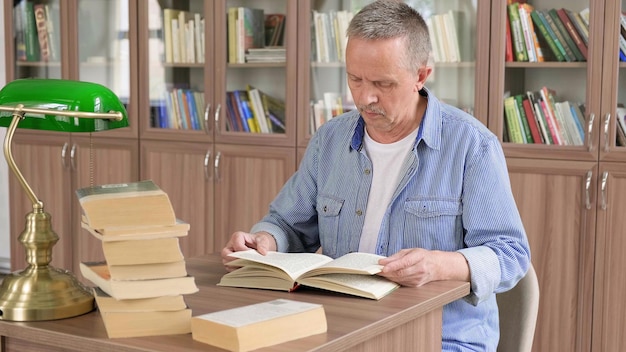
(386, 19)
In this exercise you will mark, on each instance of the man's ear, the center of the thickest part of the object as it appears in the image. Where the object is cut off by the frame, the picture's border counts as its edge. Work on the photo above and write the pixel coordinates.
(422, 75)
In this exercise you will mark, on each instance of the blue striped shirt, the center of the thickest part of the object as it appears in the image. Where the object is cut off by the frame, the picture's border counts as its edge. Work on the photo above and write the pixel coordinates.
(455, 195)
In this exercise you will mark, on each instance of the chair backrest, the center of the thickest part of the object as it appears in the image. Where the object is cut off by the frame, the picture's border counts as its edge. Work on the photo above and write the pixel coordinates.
(518, 314)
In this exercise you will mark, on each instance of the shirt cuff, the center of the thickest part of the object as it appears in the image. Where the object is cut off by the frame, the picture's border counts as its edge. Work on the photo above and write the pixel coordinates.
(282, 244)
(485, 272)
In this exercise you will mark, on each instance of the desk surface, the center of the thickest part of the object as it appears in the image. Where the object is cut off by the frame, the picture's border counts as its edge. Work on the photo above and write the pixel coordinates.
(351, 320)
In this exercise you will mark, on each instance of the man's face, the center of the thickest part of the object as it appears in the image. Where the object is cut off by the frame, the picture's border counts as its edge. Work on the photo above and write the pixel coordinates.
(384, 90)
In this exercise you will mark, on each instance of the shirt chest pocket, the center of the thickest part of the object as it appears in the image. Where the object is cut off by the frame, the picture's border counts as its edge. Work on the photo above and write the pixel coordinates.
(328, 210)
(433, 224)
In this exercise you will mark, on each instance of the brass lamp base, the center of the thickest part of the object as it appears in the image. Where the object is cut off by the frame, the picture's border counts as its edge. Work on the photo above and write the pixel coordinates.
(43, 293)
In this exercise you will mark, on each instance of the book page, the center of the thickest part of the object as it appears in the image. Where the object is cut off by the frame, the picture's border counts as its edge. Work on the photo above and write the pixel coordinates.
(369, 286)
(352, 263)
(294, 264)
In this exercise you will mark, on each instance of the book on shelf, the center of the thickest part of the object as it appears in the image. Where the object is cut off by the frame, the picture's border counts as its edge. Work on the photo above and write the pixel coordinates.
(533, 124)
(140, 203)
(526, 31)
(259, 325)
(546, 36)
(554, 26)
(541, 120)
(167, 315)
(512, 120)
(42, 31)
(579, 24)
(54, 30)
(30, 31)
(258, 110)
(250, 30)
(267, 54)
(573, 32)
(523, 119)
(526, 9)
(352, 274)
(98, 273)
(274, 28)
(520, 52)
(578, 56)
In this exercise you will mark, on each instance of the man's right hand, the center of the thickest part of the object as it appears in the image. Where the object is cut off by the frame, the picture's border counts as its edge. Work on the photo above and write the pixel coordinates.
(263, 242)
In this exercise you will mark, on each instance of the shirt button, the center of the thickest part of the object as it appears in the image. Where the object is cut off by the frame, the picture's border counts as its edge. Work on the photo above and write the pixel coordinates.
(359, 212)
(367, 171)
(325, 209)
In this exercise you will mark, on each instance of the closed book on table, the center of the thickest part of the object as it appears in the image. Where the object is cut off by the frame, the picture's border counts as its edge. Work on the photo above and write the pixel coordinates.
(140, 203)
(259, 325)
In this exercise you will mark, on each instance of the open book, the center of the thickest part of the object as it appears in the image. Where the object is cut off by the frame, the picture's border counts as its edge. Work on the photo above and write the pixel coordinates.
(353, 273)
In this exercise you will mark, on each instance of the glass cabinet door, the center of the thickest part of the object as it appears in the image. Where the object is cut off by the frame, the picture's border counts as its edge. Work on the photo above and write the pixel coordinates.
(256, 71)
(541, 85)
(613, 142)
(36, 39)
(173, 40)
(101, 52)
(453, 26)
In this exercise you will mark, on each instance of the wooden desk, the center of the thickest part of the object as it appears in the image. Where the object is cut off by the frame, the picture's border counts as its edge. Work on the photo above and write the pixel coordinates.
(409, 319)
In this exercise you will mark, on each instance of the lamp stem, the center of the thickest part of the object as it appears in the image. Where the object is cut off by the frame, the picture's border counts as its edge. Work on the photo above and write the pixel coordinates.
(18, 115)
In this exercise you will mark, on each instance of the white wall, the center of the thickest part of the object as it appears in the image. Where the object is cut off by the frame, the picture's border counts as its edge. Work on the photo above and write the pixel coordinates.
(5, 250)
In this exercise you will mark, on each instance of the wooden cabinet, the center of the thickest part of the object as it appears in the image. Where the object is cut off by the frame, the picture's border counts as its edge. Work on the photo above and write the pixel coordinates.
(570, 195)
(219, 179)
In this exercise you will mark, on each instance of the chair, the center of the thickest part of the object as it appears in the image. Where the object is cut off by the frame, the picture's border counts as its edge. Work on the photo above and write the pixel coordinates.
(518, 309)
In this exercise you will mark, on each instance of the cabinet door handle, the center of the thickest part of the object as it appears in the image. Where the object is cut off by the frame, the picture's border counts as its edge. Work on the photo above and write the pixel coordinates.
(592, 117)
(64, 155)
(207, 159)
(207, 126)
(216, 166)
(605, 176)
(587, 190)
(72, 155)
(217, 116)
(607, 118)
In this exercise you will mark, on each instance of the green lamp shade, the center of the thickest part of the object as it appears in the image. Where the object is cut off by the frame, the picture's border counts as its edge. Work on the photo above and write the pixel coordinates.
(59, 94)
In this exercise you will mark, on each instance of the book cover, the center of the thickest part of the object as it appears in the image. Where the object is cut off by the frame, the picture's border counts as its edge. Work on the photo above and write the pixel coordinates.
(259, 325)
(251, 30)
(528, 38)
(541, 120)
(108, 304)
(548, 111)
(540, 25)
(31, 38)
(42, 31)
(532, 120)
(168, 39)
(528, 137)
(517, 35)
(256, 106)
(514, 130)
(573, 33)
(140, 203)
(146, 251)
(560, 44)
(126, 233)
(352, 274)
(580, 25)
(561, 33)
(274, 26)
(99, 275)
(165, 315)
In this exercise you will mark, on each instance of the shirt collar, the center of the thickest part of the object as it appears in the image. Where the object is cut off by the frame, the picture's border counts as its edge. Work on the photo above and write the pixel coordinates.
(429, 130)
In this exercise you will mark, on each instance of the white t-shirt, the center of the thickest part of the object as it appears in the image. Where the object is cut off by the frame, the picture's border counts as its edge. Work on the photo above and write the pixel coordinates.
(387, 161)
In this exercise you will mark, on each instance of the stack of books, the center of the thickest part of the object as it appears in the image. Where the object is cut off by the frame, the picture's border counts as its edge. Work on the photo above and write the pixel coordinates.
(140, 285)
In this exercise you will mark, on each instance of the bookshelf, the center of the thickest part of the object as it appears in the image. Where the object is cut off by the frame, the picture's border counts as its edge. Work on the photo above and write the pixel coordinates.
(222, 179)
(568, 194)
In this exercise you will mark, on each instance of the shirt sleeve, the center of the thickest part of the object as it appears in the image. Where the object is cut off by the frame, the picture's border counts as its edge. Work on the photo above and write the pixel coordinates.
(497, 249)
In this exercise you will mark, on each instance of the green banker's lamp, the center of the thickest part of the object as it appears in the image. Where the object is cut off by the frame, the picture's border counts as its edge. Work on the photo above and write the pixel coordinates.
(41, 291)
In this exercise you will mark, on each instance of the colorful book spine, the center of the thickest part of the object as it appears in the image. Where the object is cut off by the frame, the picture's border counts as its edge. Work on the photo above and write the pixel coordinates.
(550, 30)
(512, 121)
(573, 33)
(546, 36)
(517, 35)
(527, 134)
(566, 36)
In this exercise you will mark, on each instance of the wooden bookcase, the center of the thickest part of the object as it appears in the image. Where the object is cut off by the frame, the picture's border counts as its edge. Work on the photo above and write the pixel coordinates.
(569, 196)
(221, 181)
